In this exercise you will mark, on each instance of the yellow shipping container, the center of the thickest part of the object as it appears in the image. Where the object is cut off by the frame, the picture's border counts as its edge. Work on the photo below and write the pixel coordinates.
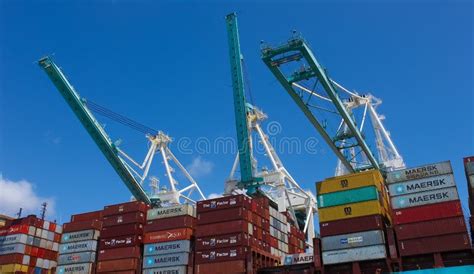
(12, 268)
(347, 211)
(351, 181)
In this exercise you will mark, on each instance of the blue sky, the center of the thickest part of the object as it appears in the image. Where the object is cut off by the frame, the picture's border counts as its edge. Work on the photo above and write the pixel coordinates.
(166, 65)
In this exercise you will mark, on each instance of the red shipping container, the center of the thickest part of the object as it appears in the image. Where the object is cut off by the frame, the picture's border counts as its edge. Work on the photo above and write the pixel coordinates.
(451, 242)
(224, 202)
(94, 215)
(129, 218)
(221, 255)
(119, 253)
(117, 209)
(121, 241)
(168, 235)
(221, 268)
(358, 224)
(221, 241)
(224, 228)
(11, 259)
(170, 223)
(121, 230)
(431, 228)
(427, 212)
(224, 215)
(392, 243)
(85, 225)
(14, 229)
(118, 265)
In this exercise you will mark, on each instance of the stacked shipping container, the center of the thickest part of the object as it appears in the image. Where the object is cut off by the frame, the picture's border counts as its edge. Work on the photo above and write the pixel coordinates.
(469, 170)
(233, 235)
(169, 240)
(29, 245)
(120, 247)
(353, 212)
(427, 214)
(78, 249)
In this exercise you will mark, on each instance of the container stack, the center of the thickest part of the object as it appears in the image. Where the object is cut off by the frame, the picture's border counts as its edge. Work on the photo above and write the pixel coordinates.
(233, 235)
(78, 249)
(279, 230)
(469, 170)
(428, 218)
(169, 240)
(29, 245)
(120, 246)
(354, 212)
(296, 239)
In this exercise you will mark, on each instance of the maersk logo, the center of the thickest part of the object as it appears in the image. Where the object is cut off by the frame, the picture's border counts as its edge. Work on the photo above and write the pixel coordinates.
(400, 189)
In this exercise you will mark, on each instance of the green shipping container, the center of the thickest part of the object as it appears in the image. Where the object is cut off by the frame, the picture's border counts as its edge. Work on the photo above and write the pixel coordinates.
(347, 197)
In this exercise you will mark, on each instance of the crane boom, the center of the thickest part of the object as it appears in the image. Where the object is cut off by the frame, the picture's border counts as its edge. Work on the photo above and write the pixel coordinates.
(248, 181)
(95, 130)
(296, 49)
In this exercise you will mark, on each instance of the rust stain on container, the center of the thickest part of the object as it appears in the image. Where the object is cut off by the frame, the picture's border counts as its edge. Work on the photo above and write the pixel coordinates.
(168, 235)
(372, 222)
(427, 212)
(434, 244)
(431, 228)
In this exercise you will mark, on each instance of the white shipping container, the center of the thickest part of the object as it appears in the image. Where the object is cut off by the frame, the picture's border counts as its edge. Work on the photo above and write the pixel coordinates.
(354, 254)
(75, 269)
(16, 239)
(424, 184)
(90, 245)
(352, 240)
(173, 211)
(419, 172)
(469, 166)
(83, 235)
(14, 248)
(302, 258)
(166, 270)
(425, 198)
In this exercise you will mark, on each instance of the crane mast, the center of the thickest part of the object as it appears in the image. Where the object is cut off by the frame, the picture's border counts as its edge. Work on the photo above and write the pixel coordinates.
(94, 129)
(296, 49)
(248, 180)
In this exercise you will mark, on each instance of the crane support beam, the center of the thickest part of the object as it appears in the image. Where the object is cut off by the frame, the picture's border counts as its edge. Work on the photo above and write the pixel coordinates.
(248, 181)
(298, 45)
(94, 129)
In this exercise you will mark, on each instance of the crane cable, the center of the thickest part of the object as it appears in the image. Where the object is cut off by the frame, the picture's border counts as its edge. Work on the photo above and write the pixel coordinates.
(119, 118)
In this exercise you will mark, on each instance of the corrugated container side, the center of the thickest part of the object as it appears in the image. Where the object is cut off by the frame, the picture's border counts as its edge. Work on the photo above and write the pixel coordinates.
(354, 254)
(425, 198)
(365, 223)
(441, 243)
(224, 202)
(83, 235)
(427, 212)
(168, 235)
(79, 226)
(122, 230)
(168, 270)
(122, 219)
(392, 243)
(419, 172)
(358, 239)
(348, 196)
(14, 248)
(224, 228)
(76, 247)
(222, 241)
(351, 211)
(123, 208)
(419, 185)
(237, 266)
(76, 268)
(431, 228)
(221, 255)
(170, 223)
(118, 265)
(120, 253)
(167, 247)
(76, 258)
(166, 260)
(173, 211)
(121, 241)
(351, 181)
(224, 215)
(94, 215)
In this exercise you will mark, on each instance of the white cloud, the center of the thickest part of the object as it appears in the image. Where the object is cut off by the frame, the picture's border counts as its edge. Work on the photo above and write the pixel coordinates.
(214, 195)
(21, 194)
(200, 167)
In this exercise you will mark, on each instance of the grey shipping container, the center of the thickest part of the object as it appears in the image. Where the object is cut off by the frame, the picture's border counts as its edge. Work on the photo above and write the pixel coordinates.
(471, 181)
(469, 166)
(419, 185)
(174, 259)
(358, 239)
(419, 172)
(167, 247)
(354, 254)
(76, 258)
(14, 248)
(425, 198)
(166, 270)
(84, 235)
(172, 211)
(16, 239)
(75, 247)
(75, 269)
